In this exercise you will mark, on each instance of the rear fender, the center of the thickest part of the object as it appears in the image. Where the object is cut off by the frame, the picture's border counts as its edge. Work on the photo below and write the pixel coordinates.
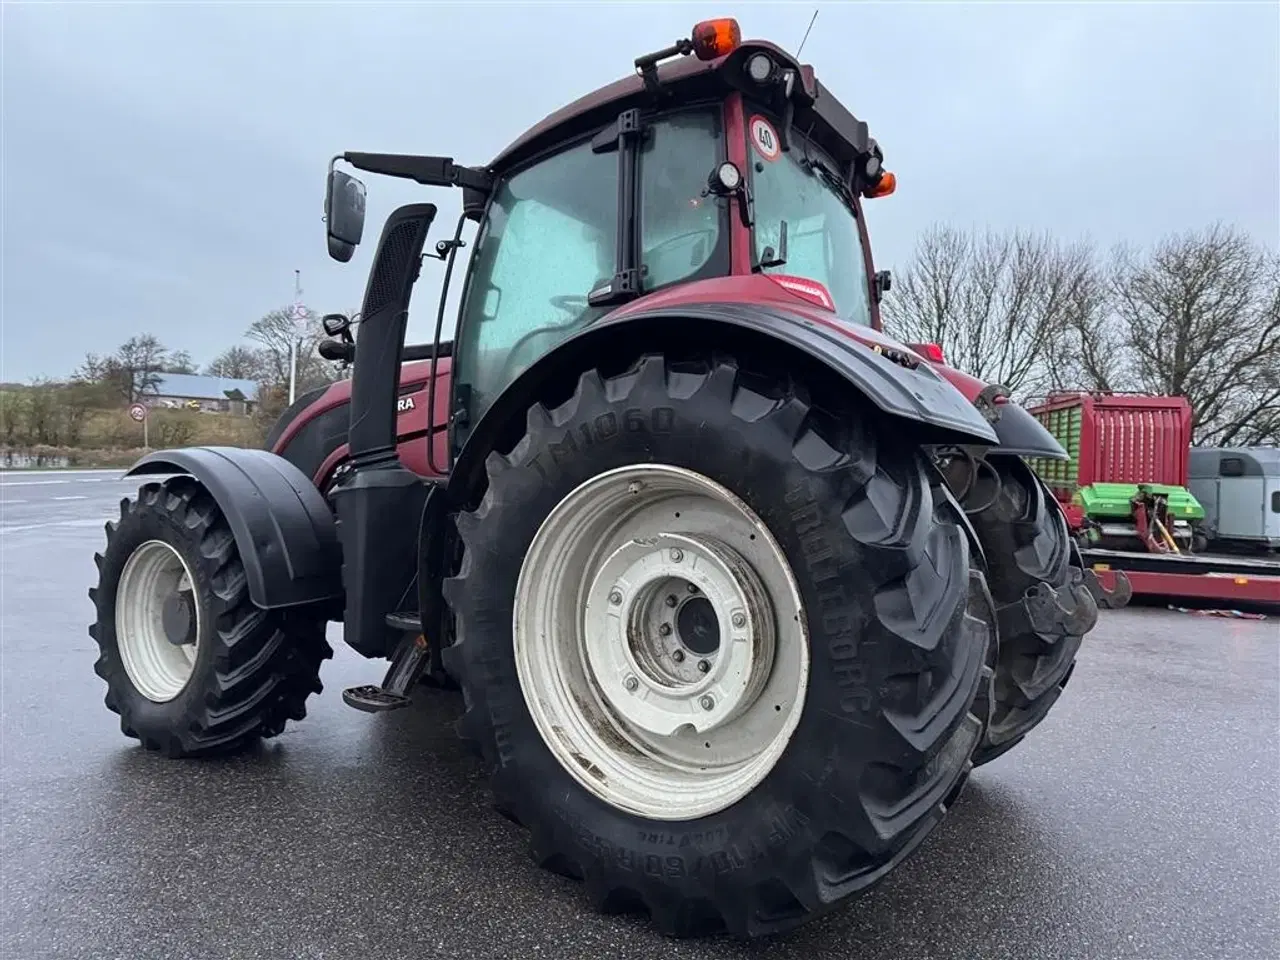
(1018, 432)
(910, 392)
(1023, 435)
(284, 529)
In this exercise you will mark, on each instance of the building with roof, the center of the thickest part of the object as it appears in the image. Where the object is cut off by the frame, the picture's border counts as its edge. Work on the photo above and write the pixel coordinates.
(208, 394)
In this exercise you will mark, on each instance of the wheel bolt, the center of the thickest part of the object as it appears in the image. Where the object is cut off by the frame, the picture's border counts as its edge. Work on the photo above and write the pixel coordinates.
(693, 588)
(615, 597)
(672, 601)
(631, 684)
(677, 656)
(739, 619)
(704, 667)
(676, 555)
(665, 629)
(708, 703)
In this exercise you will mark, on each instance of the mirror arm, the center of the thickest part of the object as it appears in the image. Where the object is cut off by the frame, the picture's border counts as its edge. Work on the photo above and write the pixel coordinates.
(429, 171)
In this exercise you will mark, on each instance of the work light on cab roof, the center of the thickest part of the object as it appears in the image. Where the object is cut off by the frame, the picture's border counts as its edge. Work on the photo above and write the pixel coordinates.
(715, 39)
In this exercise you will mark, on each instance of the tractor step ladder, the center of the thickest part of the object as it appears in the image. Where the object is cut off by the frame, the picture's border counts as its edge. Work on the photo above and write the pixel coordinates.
(411, 656)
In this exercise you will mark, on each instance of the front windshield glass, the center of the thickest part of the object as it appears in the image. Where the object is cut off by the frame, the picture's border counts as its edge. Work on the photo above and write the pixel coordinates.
(550, 238)
(823, 242)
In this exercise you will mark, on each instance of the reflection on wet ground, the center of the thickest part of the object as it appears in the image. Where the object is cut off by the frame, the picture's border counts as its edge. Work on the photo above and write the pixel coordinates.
(1139, 821)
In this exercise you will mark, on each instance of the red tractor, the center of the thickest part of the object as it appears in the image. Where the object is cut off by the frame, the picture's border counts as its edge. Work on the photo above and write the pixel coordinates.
(737, 588)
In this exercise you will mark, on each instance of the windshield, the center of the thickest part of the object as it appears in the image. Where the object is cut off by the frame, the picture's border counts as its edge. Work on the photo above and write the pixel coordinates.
(550, 238)
(823, 242)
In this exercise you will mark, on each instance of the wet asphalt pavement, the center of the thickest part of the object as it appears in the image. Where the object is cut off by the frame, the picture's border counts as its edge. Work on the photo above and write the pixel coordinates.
(1140, 820)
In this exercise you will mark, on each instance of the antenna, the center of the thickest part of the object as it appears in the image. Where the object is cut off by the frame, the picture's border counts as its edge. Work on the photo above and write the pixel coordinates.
(806, 32)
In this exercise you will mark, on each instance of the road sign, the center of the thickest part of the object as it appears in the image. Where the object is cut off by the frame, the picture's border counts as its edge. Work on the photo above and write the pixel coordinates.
(298, 314)
(138, 412)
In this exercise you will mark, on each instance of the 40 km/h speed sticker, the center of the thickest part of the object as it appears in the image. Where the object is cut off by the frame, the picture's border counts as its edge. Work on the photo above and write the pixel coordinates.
(764, 138)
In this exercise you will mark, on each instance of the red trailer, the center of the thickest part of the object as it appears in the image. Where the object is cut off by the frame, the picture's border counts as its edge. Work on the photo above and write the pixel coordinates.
(1124, 491)
(1120, 443)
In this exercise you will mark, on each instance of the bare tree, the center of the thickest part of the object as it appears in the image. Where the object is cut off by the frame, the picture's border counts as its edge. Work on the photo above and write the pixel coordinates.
(94, 369)
(997, 304)
(276, 331)
(237, 363)
(1201, 319)
(106, 374)
(179, 362)
(138, 364)
(1089, 351)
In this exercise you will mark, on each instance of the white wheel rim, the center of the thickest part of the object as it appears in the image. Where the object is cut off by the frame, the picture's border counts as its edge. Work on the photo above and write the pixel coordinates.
(156, 574)
(647, 713)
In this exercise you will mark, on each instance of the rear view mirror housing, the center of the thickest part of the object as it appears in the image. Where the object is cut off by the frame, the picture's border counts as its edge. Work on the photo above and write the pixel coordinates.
(335, 324)
(344, 207)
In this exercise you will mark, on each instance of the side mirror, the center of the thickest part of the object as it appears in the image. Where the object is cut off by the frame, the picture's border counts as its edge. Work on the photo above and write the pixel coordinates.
(344, 202)
(883, 283)
(335, 323)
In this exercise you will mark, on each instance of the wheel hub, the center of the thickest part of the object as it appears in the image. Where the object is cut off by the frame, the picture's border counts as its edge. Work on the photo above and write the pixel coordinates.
(663, 667)
(698, 627)
(177, 618)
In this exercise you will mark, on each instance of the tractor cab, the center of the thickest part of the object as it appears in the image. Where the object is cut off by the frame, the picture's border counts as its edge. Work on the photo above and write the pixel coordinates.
(716, 160)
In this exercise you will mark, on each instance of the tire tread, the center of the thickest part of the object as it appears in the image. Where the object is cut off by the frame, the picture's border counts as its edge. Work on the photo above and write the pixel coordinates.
(927, 589)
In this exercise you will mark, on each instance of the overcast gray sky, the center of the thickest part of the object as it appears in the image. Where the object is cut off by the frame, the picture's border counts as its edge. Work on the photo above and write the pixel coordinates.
(164, 164)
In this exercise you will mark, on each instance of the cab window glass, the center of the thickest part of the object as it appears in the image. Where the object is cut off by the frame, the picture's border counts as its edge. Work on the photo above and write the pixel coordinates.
(823, 240)
(549, 239)
(682, 233)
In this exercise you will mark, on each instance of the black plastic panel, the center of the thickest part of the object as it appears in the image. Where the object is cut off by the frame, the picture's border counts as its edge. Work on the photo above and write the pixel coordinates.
(378, 510)
(284, 530)
(1021, 433)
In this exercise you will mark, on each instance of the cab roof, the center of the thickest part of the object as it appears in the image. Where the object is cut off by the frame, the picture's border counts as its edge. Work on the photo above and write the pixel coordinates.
(688, 79)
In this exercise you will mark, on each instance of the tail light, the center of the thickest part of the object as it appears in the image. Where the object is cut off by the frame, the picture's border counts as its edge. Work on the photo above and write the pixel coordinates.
(930, 351)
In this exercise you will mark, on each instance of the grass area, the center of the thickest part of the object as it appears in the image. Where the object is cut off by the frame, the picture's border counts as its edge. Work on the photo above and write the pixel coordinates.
(108, 438)
(112, 429)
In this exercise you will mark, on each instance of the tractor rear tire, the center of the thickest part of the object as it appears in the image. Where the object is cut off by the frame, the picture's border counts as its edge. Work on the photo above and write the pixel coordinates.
(1029, 554)
(886, 604)
(192, 667)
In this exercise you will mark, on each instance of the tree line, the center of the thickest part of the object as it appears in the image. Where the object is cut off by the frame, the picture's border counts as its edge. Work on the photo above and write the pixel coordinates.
(1197, 315)
(137, 365)
(56, 413)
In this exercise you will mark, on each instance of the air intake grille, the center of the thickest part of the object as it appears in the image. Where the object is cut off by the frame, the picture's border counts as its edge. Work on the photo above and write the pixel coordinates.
(392, 267)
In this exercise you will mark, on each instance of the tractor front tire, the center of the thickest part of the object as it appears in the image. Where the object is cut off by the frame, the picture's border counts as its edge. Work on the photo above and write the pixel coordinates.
(192, 667)
(1035, 577)
(748, 785)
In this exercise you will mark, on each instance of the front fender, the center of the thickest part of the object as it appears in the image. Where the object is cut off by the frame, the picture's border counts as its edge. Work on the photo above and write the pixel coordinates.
(284, 530)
